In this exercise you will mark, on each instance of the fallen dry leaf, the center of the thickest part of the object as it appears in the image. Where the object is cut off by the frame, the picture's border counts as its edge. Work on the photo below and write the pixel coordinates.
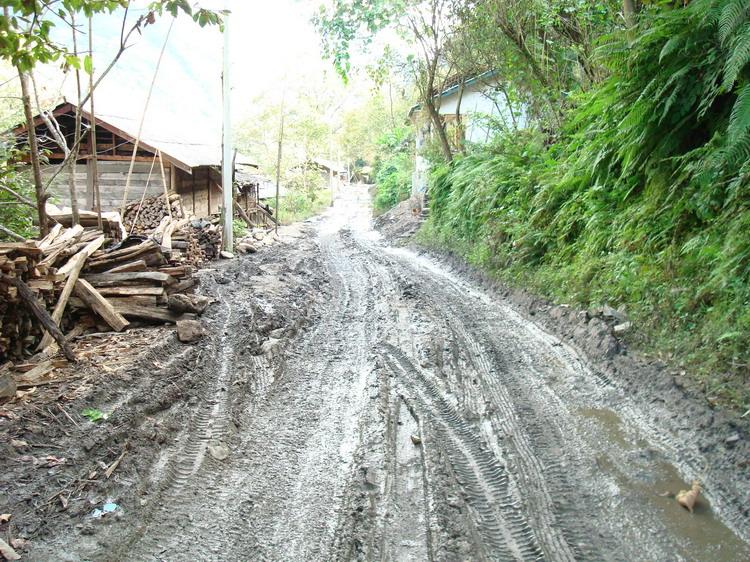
(52, 460)
(4, 517)
(687, 498)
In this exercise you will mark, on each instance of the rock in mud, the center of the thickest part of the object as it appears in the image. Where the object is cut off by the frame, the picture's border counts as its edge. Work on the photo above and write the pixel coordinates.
(621, 329)
(189, 331)
(219, 451)
(226, 255)
(195, 304)
(245, 248)
(732, 440)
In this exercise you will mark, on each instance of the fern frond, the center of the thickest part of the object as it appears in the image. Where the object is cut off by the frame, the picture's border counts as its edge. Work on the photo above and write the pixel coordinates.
(738, 59)
(733, 15)
(739, 120)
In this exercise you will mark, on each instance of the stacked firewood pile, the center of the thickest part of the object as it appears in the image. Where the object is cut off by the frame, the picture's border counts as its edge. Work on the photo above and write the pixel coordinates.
(68, 282)
(196, 242)
(148, 215)
(193, 241)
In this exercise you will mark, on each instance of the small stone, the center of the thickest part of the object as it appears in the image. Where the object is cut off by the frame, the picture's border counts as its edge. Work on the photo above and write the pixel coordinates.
(416, 439)
(732, 440)
(189, 331)
(195, 304)
(226, 255)
(245, 248)
(219, 451)
(259, 235)
(621, 329)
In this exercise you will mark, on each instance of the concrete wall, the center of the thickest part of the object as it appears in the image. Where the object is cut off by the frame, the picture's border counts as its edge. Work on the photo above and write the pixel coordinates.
(478, 101)
(112, 179)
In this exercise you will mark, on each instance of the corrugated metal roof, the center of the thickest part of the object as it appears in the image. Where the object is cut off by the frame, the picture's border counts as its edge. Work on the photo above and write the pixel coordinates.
(180, 147)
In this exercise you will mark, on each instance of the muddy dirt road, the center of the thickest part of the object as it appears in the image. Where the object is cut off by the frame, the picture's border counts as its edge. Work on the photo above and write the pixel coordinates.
(360, 402)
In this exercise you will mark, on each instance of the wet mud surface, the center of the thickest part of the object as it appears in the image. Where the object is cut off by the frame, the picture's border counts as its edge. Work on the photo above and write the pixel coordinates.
(356, 401)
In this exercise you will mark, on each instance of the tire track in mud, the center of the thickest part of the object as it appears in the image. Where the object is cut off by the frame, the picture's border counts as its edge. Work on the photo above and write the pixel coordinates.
(176, 490)
(506, 534)
(533, 478)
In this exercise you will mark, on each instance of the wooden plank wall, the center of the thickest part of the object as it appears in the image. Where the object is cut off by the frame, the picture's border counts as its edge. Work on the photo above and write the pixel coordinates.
(200, 191)
(112, 179)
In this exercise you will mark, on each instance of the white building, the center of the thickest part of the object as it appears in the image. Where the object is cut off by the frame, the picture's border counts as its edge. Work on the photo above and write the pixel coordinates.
(481, 101)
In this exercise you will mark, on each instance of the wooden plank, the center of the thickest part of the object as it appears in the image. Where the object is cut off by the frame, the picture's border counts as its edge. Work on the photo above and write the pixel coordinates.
(47, 241)
(138, 265)
(182, 286)
(140, 300)
(132, 291)
(142, 277)
(28, 248)
(154, 314)
(99, 304)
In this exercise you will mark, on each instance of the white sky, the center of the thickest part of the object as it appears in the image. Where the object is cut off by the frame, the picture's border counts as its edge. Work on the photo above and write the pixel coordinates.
(268, 40)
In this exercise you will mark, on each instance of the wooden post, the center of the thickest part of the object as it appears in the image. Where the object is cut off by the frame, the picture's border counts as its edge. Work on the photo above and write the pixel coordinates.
(164, 182)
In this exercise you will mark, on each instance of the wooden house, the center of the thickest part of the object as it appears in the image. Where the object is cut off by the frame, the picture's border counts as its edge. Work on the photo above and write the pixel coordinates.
(190, 169)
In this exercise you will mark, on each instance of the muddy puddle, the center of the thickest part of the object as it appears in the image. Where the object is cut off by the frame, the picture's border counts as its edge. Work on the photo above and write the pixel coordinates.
(701, 535)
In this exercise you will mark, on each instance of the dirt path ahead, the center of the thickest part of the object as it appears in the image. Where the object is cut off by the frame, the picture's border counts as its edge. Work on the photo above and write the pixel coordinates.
(358, 402)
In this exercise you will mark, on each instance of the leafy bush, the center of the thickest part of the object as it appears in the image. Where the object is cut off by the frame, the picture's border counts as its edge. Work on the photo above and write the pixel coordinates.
(393, 173)
(15, 216)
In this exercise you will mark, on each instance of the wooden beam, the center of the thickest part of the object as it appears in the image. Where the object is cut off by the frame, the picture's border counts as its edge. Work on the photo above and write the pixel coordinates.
(132, 291)
(115, 279)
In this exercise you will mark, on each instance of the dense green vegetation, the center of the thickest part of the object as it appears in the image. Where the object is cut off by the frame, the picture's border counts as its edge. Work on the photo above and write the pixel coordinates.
(643, 200)
(393, 168)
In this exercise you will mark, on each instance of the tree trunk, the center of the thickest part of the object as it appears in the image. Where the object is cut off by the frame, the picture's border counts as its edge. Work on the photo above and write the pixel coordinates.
(445, 145)
(41, 195)
(72, 164)
(628, 11)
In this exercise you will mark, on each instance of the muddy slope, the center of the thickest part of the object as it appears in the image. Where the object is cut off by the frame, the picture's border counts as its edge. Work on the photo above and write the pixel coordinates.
(361, 402)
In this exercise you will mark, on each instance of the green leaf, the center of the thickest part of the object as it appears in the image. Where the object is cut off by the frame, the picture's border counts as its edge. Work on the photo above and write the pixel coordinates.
(88, 64)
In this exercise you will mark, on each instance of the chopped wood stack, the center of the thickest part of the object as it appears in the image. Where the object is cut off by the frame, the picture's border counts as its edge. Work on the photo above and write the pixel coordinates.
(148, 215)
(17, 326)
(68, 277)
(200, 241)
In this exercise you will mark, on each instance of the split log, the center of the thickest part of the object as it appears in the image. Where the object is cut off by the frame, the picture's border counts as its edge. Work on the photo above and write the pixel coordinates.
(138, 265)
(99, 304)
